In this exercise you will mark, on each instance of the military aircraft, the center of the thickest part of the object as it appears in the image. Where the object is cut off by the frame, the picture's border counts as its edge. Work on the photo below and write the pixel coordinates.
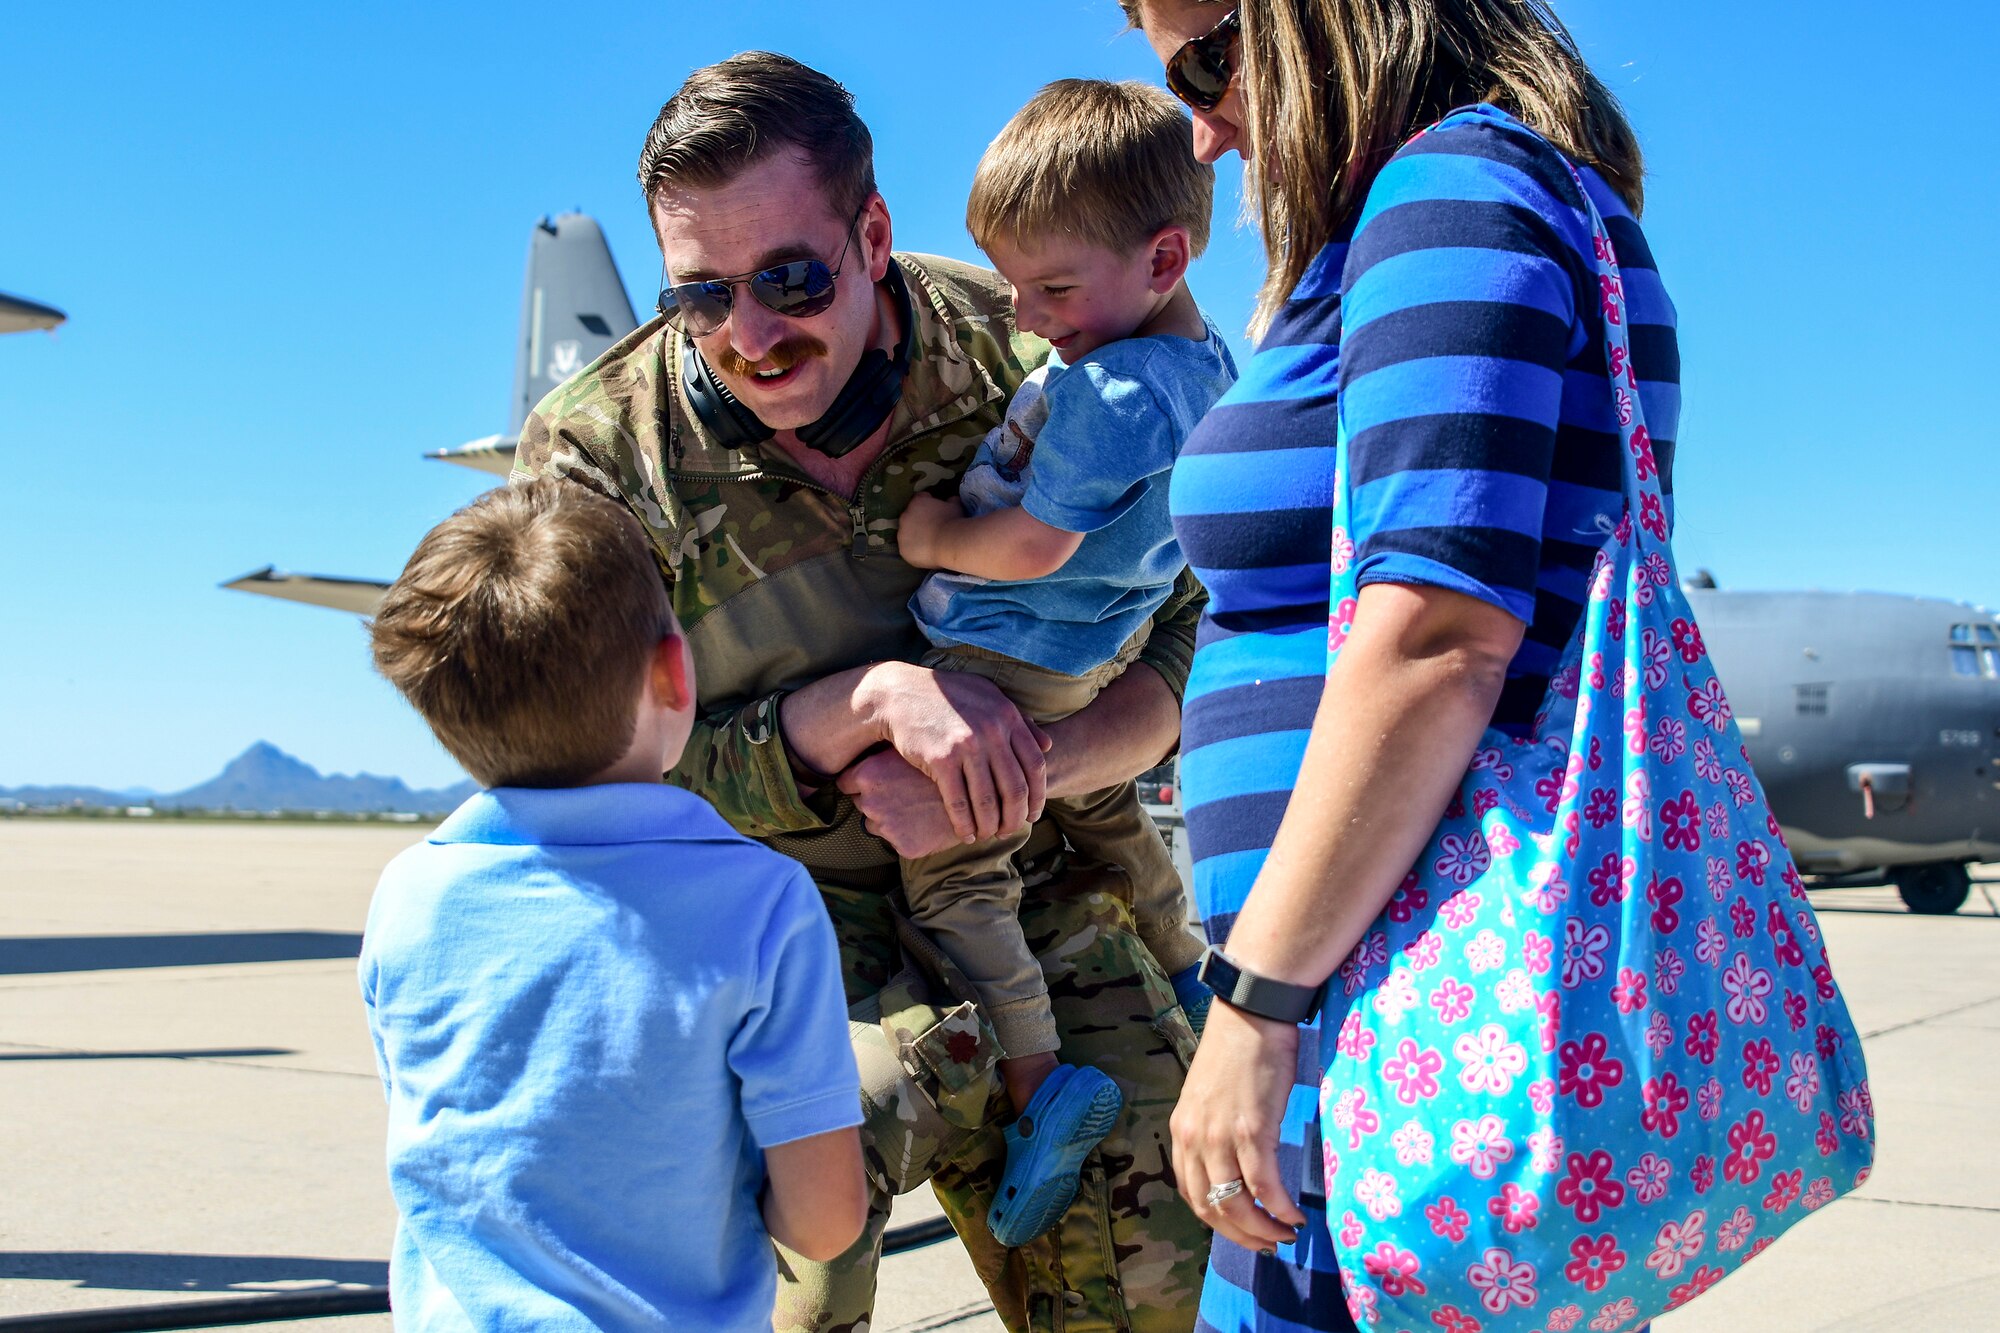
(573, 306)
(19, 315)
(1873, 720)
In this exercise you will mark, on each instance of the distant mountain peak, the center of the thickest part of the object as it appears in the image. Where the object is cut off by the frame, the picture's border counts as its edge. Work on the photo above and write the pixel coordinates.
(265, 760)
(266, 778)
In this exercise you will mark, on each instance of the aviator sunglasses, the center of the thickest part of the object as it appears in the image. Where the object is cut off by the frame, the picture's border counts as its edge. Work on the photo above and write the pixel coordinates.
(1200, 71)
(799, 289)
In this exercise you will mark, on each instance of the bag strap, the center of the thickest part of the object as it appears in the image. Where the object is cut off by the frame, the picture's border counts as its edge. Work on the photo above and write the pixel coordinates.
(1641, 469)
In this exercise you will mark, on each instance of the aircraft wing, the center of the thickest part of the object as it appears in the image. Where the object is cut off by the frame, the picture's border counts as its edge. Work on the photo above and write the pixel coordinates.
(494, 453)
(18, 315)
(361, 596)
(573, 307)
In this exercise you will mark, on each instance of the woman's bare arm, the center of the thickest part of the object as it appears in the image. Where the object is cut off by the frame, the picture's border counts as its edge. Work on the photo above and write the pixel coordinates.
(1402, 711)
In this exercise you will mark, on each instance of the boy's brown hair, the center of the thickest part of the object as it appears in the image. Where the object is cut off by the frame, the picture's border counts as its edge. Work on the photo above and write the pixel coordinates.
(521, 630)
(1109, 164)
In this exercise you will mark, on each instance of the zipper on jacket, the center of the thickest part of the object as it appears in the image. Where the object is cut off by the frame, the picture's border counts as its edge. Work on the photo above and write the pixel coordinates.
(858, 516)
(857, 510)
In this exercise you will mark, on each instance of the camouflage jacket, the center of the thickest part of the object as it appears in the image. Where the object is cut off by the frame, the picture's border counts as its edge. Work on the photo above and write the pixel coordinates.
(777, 580)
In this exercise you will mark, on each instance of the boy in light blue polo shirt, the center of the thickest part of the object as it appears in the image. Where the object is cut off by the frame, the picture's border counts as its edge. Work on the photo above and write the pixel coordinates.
(611, 1029)
(1059, 551)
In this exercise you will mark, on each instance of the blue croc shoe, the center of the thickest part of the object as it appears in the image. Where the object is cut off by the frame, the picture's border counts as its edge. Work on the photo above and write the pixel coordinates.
(1070, 1114)
(1194, 996)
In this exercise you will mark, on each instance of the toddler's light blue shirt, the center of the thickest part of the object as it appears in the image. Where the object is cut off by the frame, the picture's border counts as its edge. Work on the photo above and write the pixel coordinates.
(1085, 448)
(593, 1007)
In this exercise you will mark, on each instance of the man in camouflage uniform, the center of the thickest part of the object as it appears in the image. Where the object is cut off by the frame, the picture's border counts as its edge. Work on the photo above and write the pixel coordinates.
(782, 566)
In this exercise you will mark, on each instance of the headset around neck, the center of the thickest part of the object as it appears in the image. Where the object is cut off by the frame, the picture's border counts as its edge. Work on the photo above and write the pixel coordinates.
(863, 404)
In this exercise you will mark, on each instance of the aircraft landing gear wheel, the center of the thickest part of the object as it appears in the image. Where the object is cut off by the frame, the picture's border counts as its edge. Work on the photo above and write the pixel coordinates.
(1934, 890)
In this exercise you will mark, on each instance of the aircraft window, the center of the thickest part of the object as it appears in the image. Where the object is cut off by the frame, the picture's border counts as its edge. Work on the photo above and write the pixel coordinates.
(1984, 633)
(1964, 661)
(596, 324)
(1961, 634)
(1990, 659)
(1812, 700)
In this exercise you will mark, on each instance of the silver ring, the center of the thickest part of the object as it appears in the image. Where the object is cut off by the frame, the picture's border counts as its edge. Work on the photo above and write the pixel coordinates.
(1228, 1189)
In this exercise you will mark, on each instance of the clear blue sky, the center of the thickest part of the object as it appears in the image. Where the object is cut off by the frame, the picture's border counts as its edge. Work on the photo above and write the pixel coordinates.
(290, 242)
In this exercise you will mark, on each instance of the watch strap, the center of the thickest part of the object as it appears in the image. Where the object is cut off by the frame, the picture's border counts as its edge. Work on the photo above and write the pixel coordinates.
(1240, 988)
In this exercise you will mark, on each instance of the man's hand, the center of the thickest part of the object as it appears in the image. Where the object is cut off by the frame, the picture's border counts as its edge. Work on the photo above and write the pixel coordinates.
(899, 805)
(968, 739)
(918, 529)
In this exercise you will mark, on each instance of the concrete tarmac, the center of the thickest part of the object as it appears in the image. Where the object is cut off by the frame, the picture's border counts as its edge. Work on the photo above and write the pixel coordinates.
(190, 1105)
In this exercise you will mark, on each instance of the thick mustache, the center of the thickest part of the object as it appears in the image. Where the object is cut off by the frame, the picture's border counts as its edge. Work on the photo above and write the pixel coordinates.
(782, 356)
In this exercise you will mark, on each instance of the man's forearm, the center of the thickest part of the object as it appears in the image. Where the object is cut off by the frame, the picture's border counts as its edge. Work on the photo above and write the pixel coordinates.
(1128, 728)
(736, 763)
(828, 724)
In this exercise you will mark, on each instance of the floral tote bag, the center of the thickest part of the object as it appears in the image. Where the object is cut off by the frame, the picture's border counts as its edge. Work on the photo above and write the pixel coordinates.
(1591, 1058)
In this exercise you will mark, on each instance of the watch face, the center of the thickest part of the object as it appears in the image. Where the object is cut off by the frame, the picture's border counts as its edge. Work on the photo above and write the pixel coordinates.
(1219, 974)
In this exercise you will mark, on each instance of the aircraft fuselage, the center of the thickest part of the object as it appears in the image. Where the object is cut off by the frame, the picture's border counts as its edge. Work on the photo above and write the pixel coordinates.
(1837, 692)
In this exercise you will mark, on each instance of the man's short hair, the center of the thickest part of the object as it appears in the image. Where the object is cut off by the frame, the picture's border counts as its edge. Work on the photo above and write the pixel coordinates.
(1106, 163)
(737, 112)
(522, 629)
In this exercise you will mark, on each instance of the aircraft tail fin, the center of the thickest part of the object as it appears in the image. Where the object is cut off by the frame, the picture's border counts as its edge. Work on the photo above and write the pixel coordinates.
(573, 306)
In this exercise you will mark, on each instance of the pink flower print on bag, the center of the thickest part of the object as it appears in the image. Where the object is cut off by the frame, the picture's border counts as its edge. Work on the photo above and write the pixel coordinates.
(1592, 1057)
(1502, 1281)
(1396, 1270)
(1481, 1146)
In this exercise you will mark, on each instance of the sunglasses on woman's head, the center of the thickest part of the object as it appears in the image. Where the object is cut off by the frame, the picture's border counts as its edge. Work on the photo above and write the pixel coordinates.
(799, 289)
(1200, 71)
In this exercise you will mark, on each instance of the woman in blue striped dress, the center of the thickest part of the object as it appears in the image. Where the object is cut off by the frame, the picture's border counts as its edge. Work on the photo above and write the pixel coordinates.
(1432, 310)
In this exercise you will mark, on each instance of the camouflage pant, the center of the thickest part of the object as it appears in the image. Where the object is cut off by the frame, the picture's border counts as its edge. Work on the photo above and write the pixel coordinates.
(1129, 1255)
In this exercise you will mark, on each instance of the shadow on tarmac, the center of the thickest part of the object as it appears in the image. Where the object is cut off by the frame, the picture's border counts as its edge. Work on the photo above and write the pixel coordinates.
(205, 1053)
(126, 1270)
(41, 954)
(1836, 909)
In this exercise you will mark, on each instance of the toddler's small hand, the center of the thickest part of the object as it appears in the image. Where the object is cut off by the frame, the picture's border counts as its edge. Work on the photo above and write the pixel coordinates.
(917, 531)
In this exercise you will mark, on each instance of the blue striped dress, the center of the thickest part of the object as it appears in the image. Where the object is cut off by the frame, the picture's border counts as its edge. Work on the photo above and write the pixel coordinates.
(1454, 341)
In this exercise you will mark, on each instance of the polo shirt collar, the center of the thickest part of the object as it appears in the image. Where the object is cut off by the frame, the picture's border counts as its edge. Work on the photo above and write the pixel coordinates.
(601, 815)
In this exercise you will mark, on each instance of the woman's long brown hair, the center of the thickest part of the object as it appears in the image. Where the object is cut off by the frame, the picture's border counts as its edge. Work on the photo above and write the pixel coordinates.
(1332, 88)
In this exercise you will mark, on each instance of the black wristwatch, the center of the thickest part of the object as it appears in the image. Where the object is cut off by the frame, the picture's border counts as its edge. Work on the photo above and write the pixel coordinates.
(1240, 988)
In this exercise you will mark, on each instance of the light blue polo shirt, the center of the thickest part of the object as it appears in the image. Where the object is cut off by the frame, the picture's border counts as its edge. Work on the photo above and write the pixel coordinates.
(593, 1008)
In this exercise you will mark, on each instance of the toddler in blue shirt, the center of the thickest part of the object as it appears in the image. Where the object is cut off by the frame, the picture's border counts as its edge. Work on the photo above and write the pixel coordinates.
(611, 1029)
(1060, 549)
